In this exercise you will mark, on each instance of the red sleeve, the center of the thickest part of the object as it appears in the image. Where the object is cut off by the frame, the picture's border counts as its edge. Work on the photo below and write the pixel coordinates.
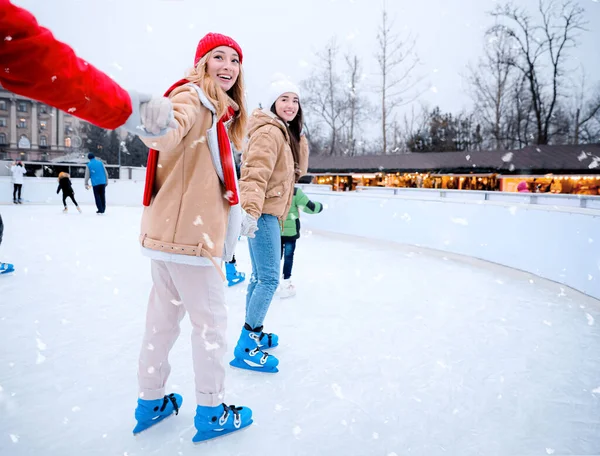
(34, 64)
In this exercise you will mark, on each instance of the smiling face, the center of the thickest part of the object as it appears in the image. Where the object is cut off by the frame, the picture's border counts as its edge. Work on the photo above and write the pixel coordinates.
(223, 66)
(287, 106)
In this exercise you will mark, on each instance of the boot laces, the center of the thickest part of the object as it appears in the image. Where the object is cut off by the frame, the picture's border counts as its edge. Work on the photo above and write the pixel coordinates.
(166, 400)
(269, 338)
(227, 409)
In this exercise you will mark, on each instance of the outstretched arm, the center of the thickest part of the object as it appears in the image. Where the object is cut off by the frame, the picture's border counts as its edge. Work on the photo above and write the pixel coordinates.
(38, 66)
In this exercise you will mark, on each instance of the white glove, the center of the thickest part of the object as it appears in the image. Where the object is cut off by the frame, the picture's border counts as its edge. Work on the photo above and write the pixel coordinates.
(150, 117)
(157, 114)
(249, 225)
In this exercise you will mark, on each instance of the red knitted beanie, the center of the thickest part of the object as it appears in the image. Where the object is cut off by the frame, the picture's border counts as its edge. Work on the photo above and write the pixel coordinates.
(212, 41)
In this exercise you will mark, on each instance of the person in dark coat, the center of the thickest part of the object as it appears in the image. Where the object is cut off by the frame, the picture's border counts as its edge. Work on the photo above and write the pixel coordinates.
(64, 184)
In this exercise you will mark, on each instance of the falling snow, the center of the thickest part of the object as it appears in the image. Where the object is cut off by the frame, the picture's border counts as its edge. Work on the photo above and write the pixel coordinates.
(337, 390)
(40, 345)
(506, 158)
(590, 319)
(208, 240)
(460, 221)
(14, 438)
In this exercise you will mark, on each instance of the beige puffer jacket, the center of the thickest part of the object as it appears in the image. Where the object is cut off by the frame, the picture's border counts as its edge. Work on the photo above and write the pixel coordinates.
(268, 170)
(189, 214)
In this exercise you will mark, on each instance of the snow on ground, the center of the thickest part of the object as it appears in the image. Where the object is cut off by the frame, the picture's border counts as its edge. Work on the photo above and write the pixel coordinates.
(386, 350)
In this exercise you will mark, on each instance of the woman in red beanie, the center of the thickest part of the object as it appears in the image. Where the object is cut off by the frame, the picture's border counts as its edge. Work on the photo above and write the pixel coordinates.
(190, 224)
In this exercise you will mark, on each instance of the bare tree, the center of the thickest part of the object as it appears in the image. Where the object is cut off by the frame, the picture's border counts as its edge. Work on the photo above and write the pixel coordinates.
(357, 107)
(538, 47)
(585, 111)
(491, 84)
(325, 98)
(397, 62)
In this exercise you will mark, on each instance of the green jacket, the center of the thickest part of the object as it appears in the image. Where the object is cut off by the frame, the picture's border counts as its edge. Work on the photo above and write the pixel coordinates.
(291, 226)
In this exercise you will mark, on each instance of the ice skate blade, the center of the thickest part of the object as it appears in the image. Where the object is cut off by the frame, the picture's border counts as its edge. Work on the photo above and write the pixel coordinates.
(141, 427)
(240, 364)
(211, 435)
(234, 282)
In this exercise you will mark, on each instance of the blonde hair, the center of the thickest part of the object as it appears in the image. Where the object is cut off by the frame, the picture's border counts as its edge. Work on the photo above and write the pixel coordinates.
(62, 174)
(219, 98)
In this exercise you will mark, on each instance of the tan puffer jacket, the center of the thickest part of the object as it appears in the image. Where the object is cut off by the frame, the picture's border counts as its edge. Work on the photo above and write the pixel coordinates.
(189, 213)
(268, 170)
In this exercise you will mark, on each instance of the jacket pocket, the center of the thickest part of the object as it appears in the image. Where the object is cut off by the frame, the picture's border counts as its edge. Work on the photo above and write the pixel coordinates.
(276, 192)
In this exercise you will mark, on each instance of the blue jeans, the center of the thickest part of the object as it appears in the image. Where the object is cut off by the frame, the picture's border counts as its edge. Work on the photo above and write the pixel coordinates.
(265, 250)
(288, 246)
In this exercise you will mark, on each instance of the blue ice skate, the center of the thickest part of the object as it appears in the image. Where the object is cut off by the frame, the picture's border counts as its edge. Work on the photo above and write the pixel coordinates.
(212, 422)
(6, 268)
(148, 413)
(233, 276)
(248, 354)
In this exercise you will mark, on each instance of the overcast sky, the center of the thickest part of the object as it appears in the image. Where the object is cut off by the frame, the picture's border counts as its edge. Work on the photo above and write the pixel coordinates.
(149, 44)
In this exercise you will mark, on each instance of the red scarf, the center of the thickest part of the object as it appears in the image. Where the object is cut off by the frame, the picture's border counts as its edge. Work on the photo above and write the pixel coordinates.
(224, 154)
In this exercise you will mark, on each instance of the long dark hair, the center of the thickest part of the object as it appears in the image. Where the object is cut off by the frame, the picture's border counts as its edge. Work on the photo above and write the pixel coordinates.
(294, 129)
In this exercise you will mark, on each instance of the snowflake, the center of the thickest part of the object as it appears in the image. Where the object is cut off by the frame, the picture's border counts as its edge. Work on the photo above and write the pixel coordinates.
(211, 347)
(151, 370)
(468, 157)
(71, 109)
(14, 438)
(8, 38)
(582, 156)
(150, 347)
(176, 303)
(76, 409)
(149, 28)
(198, 221)
(40, 358)
(40, 345)
(202, 140)
(590, 319)
(337, 390)
(460, 221)
(506, 158)
(53, 78)
(7, 70)
(208, 240)
(297, 430)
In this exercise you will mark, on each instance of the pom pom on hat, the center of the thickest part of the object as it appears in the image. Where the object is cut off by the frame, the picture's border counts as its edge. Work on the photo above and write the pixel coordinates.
(280, 84)
(212, 41)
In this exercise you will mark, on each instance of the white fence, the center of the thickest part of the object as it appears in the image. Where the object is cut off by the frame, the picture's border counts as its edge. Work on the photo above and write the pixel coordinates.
(543, 199)
(546, 236)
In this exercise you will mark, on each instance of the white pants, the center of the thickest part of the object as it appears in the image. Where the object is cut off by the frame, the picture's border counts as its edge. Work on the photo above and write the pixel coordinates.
(178, 288)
